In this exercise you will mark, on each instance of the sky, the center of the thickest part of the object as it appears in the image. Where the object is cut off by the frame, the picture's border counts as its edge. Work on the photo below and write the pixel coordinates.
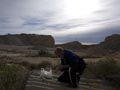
(86, 21)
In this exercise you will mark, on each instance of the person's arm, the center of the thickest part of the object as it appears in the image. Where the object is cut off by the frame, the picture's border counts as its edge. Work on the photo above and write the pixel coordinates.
(60, 67)
(64, 66)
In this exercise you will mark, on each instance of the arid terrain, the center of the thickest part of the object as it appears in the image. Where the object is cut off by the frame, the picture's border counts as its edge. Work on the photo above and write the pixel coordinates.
(103, 59)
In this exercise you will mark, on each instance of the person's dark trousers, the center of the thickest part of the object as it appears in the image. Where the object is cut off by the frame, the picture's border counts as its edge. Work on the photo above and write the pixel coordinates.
(71, 77)
(74, 74)
(64, 77)
(74, 77)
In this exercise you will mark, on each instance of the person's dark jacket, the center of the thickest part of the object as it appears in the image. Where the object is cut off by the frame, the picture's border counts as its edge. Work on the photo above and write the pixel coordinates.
(73, 60)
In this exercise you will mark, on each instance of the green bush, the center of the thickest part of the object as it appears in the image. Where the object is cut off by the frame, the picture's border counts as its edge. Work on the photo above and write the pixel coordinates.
(12, 77)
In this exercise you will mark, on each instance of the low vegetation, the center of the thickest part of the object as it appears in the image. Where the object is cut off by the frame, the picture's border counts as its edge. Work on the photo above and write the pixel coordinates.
(12, 76)
(41, 53)
(106, 68)
(31, 66)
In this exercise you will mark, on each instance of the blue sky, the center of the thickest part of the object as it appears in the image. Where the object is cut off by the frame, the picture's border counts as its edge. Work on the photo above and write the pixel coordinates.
(87, 21)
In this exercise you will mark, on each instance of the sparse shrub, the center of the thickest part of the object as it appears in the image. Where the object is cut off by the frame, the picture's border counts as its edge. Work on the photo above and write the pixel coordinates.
(28, 65)
(12, 77)
(25, 64)
(44, 64)
(5, 59)
(33, 66)
(106, 68)
(43, 53)
(90, 70)
(40, 53)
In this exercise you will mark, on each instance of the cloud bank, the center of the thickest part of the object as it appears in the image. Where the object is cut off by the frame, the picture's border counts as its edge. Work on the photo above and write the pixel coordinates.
(51, 17)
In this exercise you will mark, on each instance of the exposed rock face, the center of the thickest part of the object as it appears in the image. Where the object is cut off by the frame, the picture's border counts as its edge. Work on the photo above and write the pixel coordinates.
(111, 42)
(27, 39)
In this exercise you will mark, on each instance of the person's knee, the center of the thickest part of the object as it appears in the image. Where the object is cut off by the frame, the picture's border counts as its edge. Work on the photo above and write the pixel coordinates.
(59, 79)
(65, 80)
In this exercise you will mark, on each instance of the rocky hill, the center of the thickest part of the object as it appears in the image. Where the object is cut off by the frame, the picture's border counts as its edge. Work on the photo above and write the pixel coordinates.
(111, 42)
(110, 45)
(27, 39)
(75, 45)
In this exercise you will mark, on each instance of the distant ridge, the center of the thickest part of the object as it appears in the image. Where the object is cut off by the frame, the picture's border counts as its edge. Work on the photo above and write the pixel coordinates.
(74, 45)
(110, 43)
(27, 39)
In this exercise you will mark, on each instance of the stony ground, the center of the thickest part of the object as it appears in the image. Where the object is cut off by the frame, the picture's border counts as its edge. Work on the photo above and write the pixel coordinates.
(35, 83)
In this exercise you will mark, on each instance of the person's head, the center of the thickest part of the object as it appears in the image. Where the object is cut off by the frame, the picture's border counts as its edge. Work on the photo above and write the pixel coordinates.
(59, 51)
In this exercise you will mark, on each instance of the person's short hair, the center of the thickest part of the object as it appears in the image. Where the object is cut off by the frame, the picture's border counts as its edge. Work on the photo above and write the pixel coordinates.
(59, 50)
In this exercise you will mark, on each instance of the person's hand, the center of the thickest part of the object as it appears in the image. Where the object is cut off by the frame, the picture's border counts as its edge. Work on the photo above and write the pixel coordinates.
(62, 67)
(59, 67)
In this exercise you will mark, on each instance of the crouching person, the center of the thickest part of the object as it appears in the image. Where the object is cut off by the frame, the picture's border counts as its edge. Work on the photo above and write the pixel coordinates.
(72, 67)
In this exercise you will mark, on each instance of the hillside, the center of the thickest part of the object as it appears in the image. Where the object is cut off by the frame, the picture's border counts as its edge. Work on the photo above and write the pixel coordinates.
(27, 39)
(70, 45)
(74, 45)
(111, 43)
